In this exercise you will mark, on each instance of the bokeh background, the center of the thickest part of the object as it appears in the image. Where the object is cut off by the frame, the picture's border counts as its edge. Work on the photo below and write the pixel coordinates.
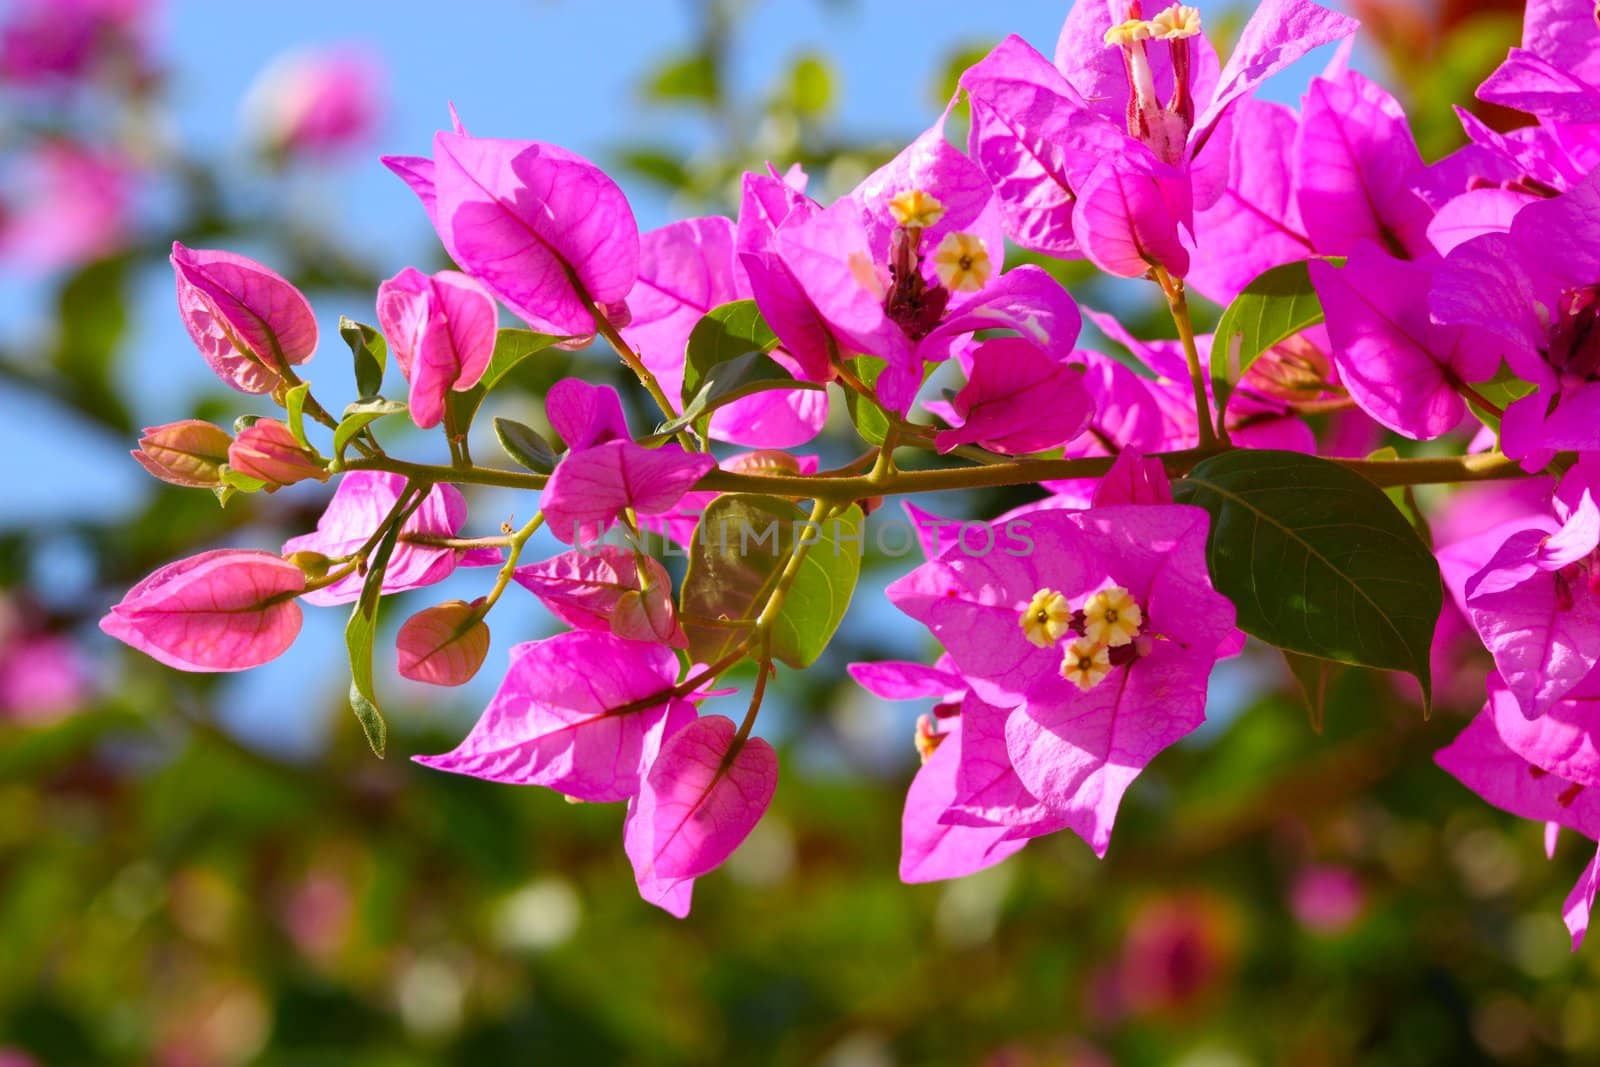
(200, 871)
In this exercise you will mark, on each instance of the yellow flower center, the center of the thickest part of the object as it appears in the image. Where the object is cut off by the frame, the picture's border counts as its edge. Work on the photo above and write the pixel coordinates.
(1112, 617)
(1175, 23)
(962, 262)
(1046, 619)
(1085, 663)
(915, 209)
(1127, 33)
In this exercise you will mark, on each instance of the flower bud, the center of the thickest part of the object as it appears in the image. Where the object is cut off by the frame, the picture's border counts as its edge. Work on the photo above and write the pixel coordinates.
(312, 564)
(444, 644)
(268, 452)
(188, 453)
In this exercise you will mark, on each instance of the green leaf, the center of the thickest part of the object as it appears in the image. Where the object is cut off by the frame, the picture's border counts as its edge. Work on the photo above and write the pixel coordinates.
(242, 483)
(511, 347)
(524, 445)
(810, 85)
(370, 351)
(740, 548)
(359, 633)
(1501, 390)
(1313, 675)
(736, 379)
(1273, 308)
(359, 416)
(1317, 560)
(724, 333)
(867, 417)
(294, 405)
(691, 78)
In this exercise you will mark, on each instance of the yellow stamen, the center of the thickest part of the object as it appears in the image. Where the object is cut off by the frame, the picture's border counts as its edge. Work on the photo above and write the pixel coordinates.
(1175, 23)
(916, 209)
(1085, 664)
(1112, 617)
(1046, 619)
(1128, 32)
(962, 262)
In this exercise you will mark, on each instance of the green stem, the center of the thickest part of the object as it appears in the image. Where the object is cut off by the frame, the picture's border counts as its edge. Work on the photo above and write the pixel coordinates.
(628, 356)
(1386, 473)
(1178, 304)
(509, 567)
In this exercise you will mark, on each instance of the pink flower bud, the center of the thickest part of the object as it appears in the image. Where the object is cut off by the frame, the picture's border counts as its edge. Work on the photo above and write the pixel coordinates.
(444, 644)
(268, 452)
(442, 330)
(187, 453)
(225, 610)
(246, 320)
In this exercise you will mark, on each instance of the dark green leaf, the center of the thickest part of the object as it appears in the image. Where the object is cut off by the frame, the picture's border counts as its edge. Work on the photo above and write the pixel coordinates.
(724, 333)
(1273, 308)
(510, 348)
(1317, 560)
(1312, 676)
(525, 445)
(740, 547)
(736, 379)
(370, 352)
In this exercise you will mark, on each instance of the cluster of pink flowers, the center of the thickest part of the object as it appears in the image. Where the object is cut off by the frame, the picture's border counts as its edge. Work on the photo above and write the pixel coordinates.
(1067, 668)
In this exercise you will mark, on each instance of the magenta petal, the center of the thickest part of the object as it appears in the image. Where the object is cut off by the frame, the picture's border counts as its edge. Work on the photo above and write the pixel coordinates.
(988, 791)
(1530, 83)
(529, 220)
(586, 590)
(895, 680)
(708, 790)
(225, 610)
(1564, 741)
(1580, 902)
(1128, 213)
(590, 488)
(1480, 760)
(442, 332)
(553, 721)
(931, 850)
(358, 506)
(1355, 165)
(1012, 381)
(1133, 479)
(244, 318)
(1474, 213)
(1399, 366)
(585, 415)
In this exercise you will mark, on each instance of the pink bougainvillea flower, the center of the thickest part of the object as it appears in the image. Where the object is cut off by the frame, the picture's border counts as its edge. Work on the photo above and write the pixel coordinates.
(610, 588)
(1402, 368)
(1536, 604)
(932, 850)
(1536, 288)
(246, 320)
(1555, 75)
(768, 204)
(685, 269)
(907, 266)
(444, 644)
(1123, 93)
(43, 676)
(1101, 639)
(1355, 166)
(544, 230)
(1133, 479)
(43, 41)
(188, 453)
(572, 714)
(1500, 771)
(267, 451)
(1012, 381)
(442, 331)
(672, 895)
(316, 102)
(900, 680)
(702, 796)
(224, 610)
(66, 204)
(359, 506)
(605, 471)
